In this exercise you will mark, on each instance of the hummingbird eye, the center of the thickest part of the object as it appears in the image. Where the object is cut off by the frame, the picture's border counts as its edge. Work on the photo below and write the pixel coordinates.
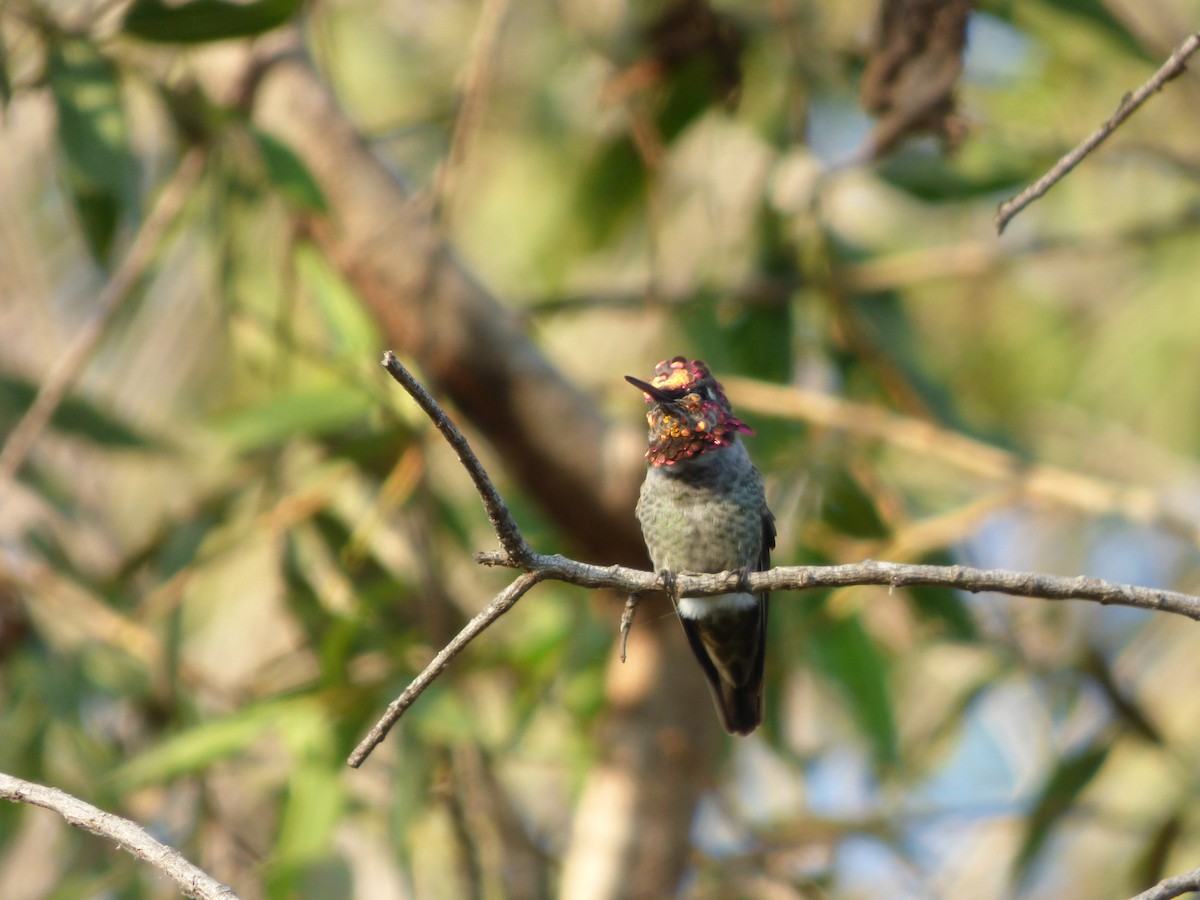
(692, 398)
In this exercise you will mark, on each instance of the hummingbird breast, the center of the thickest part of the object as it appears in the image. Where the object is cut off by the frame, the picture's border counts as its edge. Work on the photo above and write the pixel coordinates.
(704, 514)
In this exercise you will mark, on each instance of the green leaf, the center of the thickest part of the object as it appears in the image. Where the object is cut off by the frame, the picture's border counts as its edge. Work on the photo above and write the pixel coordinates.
(753, 340)
(75, 415)
(947, 607)
(849, 509)
(316, 791)
(306, 412)
(1097, 13)
(936, 179)
(314, 804)
(93, 138)
(201, 745)
(944, 605)
(1063, 785)
(200, 21)
(348, 327)
(841, 649)
(612, 187)
(288, 173)
(5, 83)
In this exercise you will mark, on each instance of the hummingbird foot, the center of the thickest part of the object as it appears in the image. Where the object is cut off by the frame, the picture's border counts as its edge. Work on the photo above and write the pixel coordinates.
(743, 578)
(670, 585)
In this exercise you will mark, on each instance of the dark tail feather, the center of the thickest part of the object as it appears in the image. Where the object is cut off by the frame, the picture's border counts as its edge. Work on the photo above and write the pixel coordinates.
(731, 649)
(740, 709)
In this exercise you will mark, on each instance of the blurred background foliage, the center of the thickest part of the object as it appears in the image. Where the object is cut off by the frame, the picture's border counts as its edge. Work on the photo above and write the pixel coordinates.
(235, 540)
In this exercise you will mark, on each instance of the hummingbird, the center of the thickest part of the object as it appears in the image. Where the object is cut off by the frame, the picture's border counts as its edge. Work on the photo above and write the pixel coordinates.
(702, 509)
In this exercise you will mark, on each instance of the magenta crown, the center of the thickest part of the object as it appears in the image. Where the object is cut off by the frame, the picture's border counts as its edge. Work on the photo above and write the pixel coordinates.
(687, 425)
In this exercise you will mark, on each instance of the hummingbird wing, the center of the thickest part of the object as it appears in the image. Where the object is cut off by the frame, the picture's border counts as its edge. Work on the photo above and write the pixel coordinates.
(731, 648)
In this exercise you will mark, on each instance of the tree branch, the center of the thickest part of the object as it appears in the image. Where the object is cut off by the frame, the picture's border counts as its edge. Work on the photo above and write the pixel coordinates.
(118, 287)
(500, 604)
(497, 511)
(538, 567)
(1172, 68)
(1175, 886)
(128, 835)
(804, 578)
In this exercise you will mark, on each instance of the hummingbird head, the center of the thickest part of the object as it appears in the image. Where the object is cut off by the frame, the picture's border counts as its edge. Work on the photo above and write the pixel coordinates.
(688, 414)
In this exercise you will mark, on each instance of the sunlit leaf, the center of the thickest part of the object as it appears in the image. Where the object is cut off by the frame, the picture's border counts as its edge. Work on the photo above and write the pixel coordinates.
(93, 138)
(350, 329)
(279, 417)
(201, 745)
(1099, 15)
(315, 790)
(199, 21)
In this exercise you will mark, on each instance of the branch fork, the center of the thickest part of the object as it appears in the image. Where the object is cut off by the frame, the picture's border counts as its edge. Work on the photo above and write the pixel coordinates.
(515, 553)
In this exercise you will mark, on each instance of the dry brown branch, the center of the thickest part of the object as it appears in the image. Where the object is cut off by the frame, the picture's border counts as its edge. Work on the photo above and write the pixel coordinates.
(1176, 886)
(132, 266)
(127, 835)
(1172, 68)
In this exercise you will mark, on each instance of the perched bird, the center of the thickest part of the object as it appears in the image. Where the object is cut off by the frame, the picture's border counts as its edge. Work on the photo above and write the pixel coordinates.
(702, 509)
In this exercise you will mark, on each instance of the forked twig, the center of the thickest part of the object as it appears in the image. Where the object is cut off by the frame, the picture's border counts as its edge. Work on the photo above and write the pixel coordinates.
(537, 567)
(1172, 68)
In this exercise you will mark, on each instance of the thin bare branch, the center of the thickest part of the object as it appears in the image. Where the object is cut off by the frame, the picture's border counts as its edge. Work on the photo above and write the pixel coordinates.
(501, 604)
(477, 83)
(127, 835)
(502, 521)
(132, 266)
(1176, 886)
(538, 567)
(1172, 68)
(631, 605)
(803, 578)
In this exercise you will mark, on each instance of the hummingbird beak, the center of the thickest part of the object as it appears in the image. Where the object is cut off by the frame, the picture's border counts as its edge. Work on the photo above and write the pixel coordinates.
(651, 392)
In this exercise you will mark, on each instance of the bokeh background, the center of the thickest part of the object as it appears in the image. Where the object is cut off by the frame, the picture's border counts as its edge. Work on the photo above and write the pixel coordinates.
(236, 539)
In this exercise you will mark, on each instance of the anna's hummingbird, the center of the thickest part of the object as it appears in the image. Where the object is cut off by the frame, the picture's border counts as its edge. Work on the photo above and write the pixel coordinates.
(702, 509)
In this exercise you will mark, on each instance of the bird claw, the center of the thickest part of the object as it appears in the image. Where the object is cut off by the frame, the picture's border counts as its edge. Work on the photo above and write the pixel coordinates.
(743, 578)
(669, 583)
